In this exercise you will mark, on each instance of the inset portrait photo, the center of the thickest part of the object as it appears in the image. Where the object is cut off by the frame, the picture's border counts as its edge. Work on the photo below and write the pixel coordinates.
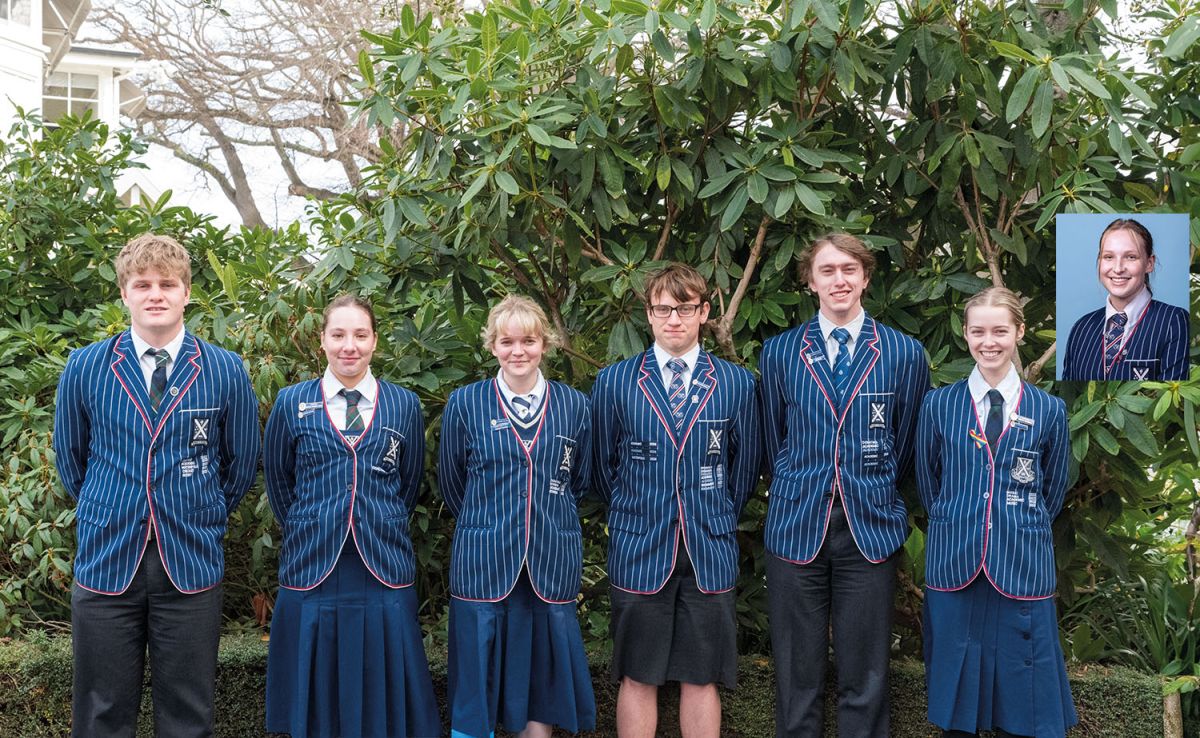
(1122, 296)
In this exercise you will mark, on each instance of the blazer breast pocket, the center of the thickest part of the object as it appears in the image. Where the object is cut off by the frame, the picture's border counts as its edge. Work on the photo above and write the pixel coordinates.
(1142, 369)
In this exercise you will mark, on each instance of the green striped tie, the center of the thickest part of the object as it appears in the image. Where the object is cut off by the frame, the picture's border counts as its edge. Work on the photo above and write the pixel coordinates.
(354, 421)
(158, 380)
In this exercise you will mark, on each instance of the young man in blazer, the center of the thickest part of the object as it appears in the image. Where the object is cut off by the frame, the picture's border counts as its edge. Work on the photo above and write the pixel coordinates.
(677, 449)
(156, 437)
(841, 395)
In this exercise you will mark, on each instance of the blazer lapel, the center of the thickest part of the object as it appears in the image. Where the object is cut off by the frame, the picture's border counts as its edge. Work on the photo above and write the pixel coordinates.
(129, 374)
(816, 360)
(704, 383)
(652, 387)
(184, 371)
(866, 353)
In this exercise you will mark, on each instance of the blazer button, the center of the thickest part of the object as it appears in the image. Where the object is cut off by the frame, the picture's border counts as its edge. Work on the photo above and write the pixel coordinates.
(349, 487)
(986, 495)
(524, 493)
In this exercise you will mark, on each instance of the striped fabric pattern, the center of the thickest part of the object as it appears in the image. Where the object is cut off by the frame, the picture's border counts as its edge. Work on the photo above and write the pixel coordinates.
(1156, 347)
(515, 505)
(859, 446)
(325, 485)
(992, 512)
(187, 467)
(665, 486)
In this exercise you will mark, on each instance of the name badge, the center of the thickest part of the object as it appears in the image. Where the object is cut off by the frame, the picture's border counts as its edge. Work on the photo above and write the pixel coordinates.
(304, 408)
(1021, 421)
(500, 424)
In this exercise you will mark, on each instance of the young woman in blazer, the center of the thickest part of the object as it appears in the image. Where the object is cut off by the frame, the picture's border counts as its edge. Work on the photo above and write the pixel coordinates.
(991, 462)
(1133, 336)
(343, 462)
(513, 461)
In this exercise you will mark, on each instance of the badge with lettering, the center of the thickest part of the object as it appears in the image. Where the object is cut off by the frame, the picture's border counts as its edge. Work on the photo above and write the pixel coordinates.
(1021, 421)
(200, 427)
(1022, 470)
(714, 441)
(500, 424)
(304, 408)
(204, 464)
(877, 419)
(187, 468)
(1033, 499)
(870, 453)
(564, 463)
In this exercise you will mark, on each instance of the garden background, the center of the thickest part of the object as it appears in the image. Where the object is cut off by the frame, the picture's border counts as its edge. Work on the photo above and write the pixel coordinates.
(564, 149)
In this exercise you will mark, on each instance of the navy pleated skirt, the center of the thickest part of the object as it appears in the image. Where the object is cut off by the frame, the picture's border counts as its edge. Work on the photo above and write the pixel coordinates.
(346, 659)
(517, 660)
(995, 662)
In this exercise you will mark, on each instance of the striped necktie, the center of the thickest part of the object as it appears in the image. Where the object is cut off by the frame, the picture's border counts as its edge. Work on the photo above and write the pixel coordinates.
(158, 380)
(354, 421)
(676, 390)
(524, 405)
(1112, 338)
(995, 418)
(841, 363)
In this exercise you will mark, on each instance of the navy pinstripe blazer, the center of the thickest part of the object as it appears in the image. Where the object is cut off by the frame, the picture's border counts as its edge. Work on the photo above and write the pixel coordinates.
(654, 479)
(1156, 348)
(859, 447)
(991, 511)
(186, 466)
(323, 488)
(515, 505)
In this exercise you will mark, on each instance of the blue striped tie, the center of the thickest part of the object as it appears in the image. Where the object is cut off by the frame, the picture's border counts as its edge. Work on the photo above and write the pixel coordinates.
(523, 404)
(1112, 338)
(676, 391)
(841, 363)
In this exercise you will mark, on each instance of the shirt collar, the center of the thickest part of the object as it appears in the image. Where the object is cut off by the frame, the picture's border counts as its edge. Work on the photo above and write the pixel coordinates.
(140, 345)
(367, 386)
(1132, 311)
(854, 326)
(690, 358)
(1010, 386)
(539, 388)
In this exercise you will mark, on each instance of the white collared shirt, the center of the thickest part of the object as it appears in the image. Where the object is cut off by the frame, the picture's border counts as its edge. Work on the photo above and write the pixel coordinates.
(336, 402)
(1009, 387)
(534, 395)
(1133, 312)
(854, 327)
(148, 363)
(690, 358)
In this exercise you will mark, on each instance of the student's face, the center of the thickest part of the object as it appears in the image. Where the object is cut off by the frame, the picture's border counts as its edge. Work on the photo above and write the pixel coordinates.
(992, 337)
(1123, 266)
(349, 342)
(838, 280)
(675, 334)
(156, 302)
(519, 352)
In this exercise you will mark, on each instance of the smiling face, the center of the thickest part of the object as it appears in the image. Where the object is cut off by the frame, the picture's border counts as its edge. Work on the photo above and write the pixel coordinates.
(675, 334)
(838, 280)
(519, 350)
(156, 301)
(349, 342)
(992, 336)
(1123, 266)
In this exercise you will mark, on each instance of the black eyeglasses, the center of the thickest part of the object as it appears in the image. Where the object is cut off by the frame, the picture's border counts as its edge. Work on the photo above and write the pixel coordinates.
(686, 310)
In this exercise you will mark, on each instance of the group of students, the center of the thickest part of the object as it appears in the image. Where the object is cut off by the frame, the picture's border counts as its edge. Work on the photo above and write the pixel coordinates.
(157, 438)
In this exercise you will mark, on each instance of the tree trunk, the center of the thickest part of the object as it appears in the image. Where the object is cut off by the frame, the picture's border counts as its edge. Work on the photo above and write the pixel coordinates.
(1172, 716)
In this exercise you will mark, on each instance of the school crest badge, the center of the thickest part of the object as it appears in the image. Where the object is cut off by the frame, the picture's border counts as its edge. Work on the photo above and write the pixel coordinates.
(567, 458)
(200, 427)
(877, 419)
(714, 441)
(392, 455)
(1022, 470)
(1141, 372)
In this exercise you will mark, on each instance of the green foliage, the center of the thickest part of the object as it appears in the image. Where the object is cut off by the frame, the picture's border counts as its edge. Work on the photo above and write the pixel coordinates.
(35, 695)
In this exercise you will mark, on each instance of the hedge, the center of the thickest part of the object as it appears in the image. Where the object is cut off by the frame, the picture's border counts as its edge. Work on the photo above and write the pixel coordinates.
(35, 695)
